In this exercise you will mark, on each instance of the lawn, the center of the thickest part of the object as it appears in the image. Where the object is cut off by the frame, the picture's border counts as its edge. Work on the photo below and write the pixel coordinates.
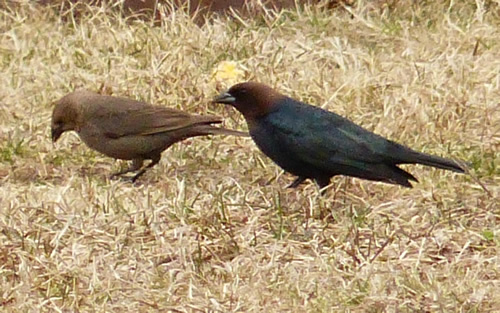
(213, 227)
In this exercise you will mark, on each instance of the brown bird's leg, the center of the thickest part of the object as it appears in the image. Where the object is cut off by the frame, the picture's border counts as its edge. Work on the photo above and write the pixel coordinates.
(154, 161)
(299, 180)
(136, 165)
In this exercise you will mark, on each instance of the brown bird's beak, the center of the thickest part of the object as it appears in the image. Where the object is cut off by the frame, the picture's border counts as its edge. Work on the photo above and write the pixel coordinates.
(56, 133)
(225, 98)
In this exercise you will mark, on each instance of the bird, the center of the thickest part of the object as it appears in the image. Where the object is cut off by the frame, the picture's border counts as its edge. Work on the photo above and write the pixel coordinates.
(312, 143)
(127, 129)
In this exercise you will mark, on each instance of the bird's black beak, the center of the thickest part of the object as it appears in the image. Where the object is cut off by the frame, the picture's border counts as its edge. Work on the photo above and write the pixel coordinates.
(225, 98)
(56, 133)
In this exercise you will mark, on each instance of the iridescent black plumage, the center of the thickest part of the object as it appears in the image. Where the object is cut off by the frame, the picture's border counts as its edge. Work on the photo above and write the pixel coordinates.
(313, 143)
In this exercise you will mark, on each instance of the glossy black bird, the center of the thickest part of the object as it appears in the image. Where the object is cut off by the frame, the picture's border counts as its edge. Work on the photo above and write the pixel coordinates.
(313, 143)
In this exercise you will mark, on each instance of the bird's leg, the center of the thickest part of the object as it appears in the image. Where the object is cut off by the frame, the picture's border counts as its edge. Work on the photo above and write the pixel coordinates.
(322, 183)
(299, 180)
(136, 165)
(154, 161)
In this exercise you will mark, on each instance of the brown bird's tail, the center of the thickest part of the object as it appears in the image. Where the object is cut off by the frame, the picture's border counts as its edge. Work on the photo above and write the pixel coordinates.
(212, 130)
(435, 161)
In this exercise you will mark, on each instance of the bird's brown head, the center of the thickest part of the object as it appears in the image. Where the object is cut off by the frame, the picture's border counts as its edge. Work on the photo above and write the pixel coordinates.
(252, 99)
(66, 114)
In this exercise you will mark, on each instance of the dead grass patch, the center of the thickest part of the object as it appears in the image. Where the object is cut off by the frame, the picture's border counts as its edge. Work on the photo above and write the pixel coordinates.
(212, 228)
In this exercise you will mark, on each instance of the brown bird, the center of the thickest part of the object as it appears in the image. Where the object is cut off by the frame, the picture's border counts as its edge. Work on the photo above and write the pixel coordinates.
(127, 129)
(310, 142)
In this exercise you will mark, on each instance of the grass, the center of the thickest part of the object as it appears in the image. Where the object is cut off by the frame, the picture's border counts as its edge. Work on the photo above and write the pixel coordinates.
(213, 228)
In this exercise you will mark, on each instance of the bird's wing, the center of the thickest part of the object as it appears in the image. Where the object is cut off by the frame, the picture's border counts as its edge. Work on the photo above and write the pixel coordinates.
(325, 139)
(124, 117)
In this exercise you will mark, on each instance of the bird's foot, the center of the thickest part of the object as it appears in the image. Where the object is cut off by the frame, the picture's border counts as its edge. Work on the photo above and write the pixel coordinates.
(136, 176)
(115, 176)
(299, 180)
(121, 173)
(122, 177)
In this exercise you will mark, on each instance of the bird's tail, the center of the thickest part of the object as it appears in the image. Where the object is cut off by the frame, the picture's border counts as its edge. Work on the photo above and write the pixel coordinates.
(212, 130)
(435, 161)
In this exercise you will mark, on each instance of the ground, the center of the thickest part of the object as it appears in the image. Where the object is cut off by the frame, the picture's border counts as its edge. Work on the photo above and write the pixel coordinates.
(213, 227)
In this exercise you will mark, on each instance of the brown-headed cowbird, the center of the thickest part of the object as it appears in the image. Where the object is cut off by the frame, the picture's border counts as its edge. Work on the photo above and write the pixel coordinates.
(127, 129)
(313, 143)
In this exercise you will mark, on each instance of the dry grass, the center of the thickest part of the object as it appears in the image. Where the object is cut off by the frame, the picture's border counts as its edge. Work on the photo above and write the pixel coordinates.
(213, 228)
